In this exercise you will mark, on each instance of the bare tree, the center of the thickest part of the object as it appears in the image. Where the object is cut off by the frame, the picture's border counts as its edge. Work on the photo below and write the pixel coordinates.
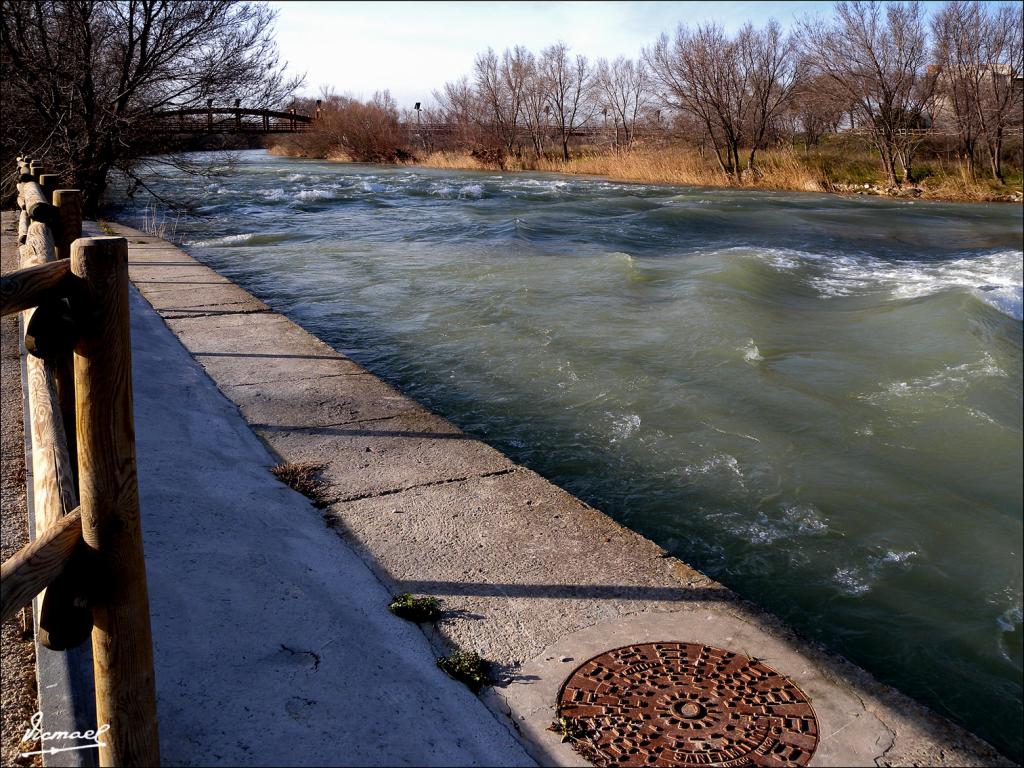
(1001, 100)
(877, 55)
(772, 72)
(82, 77)
(459, 108)
(958, 30)
(700, 72)
(568, 83)
(500, 85)
(625, 86)
(817, 108)
(536, 109)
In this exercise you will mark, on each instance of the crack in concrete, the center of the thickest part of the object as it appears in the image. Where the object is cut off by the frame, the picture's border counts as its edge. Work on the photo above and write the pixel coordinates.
(393, 491)
(845, 686)
(195, 315)
(291, 379)
(200, 306)
(297, 428)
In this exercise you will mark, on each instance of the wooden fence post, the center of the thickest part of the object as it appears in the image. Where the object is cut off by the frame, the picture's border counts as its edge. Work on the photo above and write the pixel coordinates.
(67, 229)
(109, 499)
(47, 182)
(68, 203)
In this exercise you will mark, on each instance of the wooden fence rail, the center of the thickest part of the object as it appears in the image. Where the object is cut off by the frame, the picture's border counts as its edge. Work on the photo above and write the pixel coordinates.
(85, 568)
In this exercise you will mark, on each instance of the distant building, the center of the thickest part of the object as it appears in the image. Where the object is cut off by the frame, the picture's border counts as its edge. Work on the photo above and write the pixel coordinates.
(994, 78)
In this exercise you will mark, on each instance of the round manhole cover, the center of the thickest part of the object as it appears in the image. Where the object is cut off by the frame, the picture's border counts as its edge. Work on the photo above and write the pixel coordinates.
(662, 704)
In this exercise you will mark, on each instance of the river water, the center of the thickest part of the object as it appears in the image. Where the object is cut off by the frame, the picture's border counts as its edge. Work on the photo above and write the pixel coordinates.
(815, 400)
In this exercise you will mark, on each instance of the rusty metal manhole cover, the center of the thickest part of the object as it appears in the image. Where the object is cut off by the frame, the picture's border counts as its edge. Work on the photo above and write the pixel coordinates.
(662, 704)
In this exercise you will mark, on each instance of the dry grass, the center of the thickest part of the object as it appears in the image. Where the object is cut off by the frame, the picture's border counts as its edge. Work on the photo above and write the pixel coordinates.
(304, 478)
(823, 169)
(777, 170)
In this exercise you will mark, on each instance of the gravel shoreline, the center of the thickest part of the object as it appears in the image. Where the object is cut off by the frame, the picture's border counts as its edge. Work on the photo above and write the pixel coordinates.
(18, 695)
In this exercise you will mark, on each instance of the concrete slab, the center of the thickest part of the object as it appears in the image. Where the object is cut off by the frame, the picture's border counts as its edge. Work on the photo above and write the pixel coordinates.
(197, 297)
(241, 349)
(272, 640)
(165, 270)
(382, 456)
(517, 561)
(304, 403)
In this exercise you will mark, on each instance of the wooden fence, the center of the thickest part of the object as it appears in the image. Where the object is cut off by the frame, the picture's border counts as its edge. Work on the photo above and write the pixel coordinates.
(85, 567)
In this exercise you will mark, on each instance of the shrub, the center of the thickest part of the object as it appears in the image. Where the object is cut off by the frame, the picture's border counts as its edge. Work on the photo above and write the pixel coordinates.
(466, 667)
(418, 609)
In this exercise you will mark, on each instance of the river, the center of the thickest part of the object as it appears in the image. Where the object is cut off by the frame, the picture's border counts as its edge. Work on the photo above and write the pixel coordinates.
(814, 399)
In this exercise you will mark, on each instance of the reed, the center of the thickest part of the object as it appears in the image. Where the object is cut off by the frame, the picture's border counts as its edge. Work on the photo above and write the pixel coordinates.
(817, 170)
(781, 169)
(156, 221)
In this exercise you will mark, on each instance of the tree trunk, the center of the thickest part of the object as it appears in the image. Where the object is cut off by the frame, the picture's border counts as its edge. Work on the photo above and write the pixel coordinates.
(721, 162)
(968, 155)
(906, 158)
(888, 164)
(93, 184)
(565, 148)
(995, 151)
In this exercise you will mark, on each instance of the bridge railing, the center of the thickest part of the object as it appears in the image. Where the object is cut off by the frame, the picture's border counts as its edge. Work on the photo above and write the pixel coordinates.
(85, 566)
(230, 119)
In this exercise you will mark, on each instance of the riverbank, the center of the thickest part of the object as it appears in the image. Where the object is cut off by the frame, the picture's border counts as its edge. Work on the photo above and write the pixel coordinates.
(529, 577)
(832, 170)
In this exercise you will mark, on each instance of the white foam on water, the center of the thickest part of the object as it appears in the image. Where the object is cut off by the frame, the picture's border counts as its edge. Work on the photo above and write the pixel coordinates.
(218, 241)
(1008, 299)
(717, 464)
(1010, 619)
(718, 461)
(859, 579)
(897, 558)
(851, 581)
(751, 353)
(444, 191)
(807, 518)
(274, 195)
(995, 278)
(313, 195)
(624, 426)
(795, 521)
(570, 374)
(297, 177)
(535, 186)
(947, 383)
(471, 191)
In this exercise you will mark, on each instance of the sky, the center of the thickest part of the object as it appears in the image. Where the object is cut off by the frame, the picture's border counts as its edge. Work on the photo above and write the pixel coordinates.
(413, 48)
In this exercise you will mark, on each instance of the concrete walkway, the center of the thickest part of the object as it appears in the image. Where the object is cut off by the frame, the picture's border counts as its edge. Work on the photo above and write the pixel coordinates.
(272, 641)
